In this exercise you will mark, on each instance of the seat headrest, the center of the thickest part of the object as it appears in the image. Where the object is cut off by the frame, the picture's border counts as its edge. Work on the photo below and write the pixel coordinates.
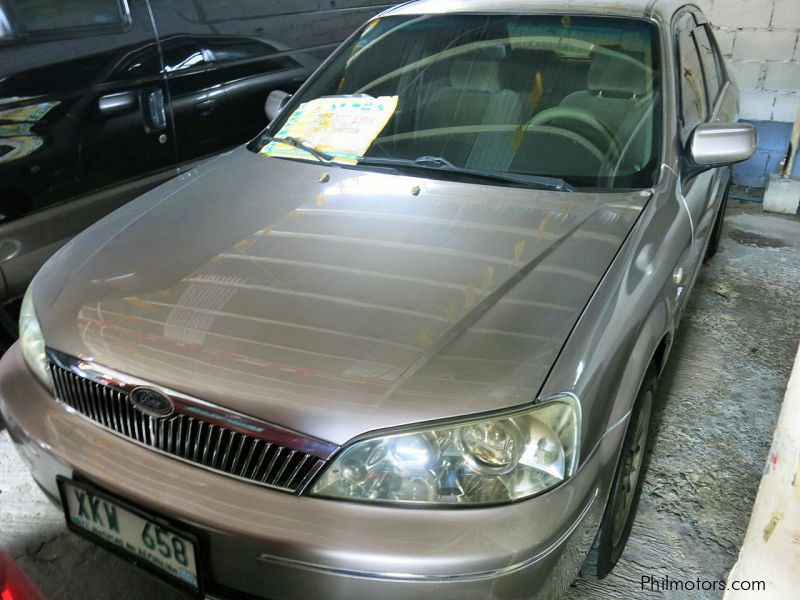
(479, 76)
(617, 75)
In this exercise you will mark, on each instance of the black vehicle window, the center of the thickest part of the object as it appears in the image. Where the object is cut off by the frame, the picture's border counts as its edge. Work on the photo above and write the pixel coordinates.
(229, 50)
(694, 106)
(179, 55)
(54, 15)
(711, 64)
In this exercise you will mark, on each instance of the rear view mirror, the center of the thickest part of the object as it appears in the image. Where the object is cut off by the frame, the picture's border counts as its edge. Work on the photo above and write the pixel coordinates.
(716, 145)
(275, 103)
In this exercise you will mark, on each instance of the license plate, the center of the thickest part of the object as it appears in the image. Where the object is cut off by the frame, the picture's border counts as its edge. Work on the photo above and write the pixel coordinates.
(128, 531)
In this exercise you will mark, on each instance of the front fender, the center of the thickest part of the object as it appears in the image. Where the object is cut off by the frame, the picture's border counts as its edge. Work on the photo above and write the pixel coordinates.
(632, 313)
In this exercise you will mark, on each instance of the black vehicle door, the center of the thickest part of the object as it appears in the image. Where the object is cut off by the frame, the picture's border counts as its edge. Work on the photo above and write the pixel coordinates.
(73, 139)
(128, 129)
(251, 69)
(196, 98)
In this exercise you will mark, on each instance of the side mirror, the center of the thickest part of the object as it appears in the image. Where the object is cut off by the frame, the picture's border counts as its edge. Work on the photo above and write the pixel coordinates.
(275, 103)
(717, 145)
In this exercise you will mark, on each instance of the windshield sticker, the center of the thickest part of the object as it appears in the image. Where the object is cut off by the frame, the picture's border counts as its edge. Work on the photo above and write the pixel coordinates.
(342, 127)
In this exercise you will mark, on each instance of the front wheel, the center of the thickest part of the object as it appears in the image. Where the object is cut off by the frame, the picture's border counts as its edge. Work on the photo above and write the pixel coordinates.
(620, 513)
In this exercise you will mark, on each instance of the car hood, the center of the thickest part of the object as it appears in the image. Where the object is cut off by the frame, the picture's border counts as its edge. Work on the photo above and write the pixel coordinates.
(334, 301)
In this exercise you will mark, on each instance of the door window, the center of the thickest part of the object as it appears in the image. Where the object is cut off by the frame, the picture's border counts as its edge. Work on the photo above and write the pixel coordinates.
(39, 16)
(238, 50)
(712, 68)
(693, 101)
(181, 55)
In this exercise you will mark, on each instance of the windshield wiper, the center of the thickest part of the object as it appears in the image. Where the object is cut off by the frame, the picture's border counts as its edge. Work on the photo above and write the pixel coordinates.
(442, 165)
(299, 144)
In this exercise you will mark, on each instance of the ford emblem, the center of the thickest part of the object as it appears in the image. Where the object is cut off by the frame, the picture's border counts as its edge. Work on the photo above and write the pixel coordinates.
(151, 402)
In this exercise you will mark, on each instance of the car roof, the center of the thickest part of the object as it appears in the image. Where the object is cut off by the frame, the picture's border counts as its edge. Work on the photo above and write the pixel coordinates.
(625, 8)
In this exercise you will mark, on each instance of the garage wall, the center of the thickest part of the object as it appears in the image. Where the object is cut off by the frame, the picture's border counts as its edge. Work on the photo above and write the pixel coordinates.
(761, 41)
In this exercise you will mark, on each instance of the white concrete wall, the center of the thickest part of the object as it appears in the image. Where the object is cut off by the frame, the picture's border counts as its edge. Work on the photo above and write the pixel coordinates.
(761, 41)
(771, 550)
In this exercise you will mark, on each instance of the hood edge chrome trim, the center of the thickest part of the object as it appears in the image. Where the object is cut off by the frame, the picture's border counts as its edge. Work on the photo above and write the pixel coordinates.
(264, 430)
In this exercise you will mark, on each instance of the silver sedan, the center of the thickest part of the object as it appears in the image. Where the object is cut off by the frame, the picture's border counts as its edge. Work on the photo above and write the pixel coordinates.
(405, 343)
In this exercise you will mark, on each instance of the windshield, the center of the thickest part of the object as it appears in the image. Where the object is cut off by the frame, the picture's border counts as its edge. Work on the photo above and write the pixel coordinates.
(569, 98)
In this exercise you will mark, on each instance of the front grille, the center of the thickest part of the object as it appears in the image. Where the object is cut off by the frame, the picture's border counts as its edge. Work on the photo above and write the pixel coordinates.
(189, 438)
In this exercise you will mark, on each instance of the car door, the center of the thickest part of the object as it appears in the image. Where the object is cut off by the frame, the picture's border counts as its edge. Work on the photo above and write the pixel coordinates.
(72, 143)
(702, 191)
(250, 68)
(127, 132)
(196, 98)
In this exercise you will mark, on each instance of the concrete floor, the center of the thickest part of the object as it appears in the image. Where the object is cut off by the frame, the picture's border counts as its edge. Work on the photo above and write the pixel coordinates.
(719, 401)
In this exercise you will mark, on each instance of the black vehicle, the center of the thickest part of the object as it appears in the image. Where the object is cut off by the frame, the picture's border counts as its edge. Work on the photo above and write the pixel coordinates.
(101, 100)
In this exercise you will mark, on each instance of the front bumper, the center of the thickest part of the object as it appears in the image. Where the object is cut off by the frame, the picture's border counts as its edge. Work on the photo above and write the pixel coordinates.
(273, 544)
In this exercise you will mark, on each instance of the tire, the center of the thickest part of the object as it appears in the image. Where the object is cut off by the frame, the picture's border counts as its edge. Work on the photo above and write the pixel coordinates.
(716, 233)
(620, 513)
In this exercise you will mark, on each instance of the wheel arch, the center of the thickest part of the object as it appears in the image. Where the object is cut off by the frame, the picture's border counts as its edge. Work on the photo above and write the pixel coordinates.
(651, 347)
(648, 355)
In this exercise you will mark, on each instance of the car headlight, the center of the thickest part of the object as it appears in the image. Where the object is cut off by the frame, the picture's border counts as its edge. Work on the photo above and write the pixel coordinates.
(474, 462)
(31, 341)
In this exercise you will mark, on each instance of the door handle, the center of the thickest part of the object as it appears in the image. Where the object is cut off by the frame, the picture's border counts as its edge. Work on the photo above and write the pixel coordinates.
(9, 249)
(154, 110)
(115, 103)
